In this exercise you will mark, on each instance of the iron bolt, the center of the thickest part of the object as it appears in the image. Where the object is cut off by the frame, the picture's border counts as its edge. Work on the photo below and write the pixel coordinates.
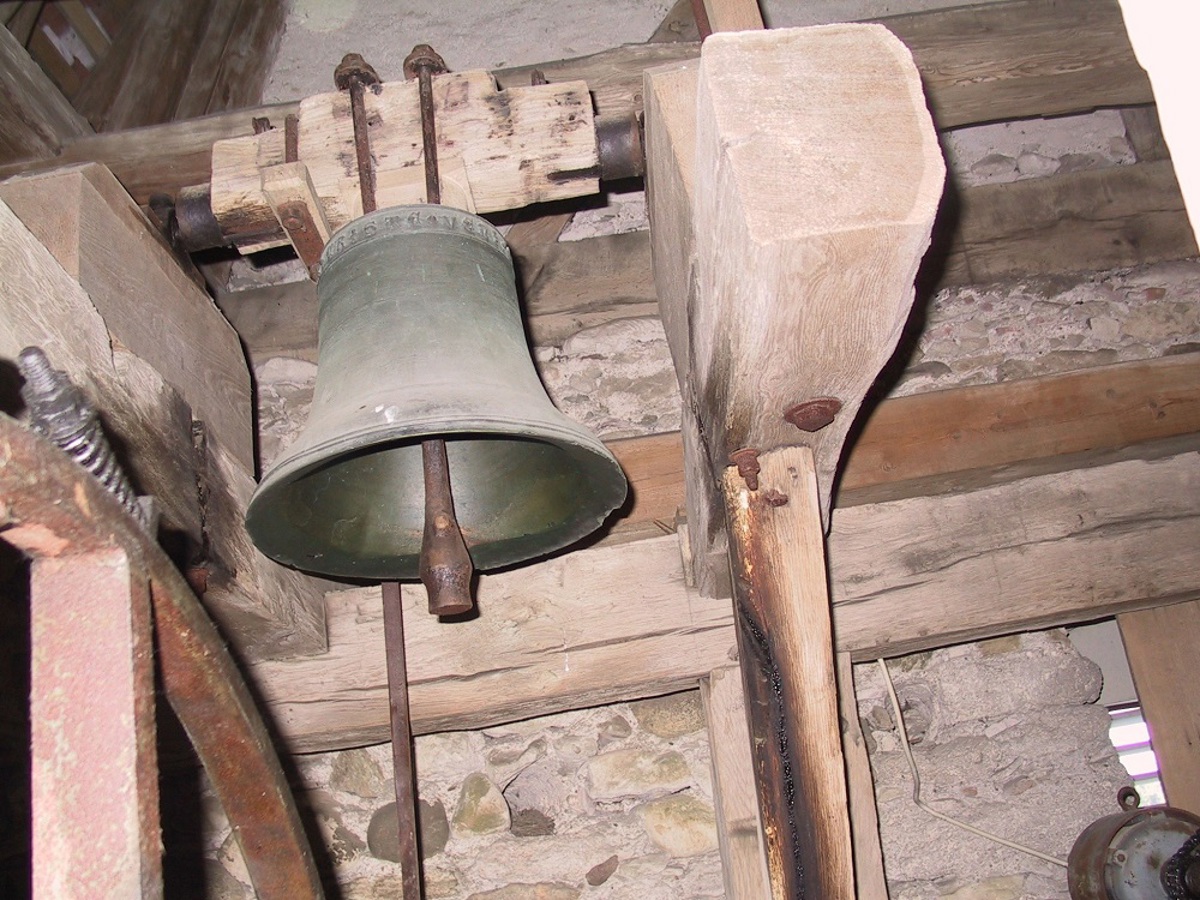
(746, 461)
(813, 415)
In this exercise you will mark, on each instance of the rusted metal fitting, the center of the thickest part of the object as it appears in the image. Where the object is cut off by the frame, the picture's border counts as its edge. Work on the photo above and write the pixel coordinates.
(746, 461)
(619, 146)
(353, 69)
(193, 225)
(813, 415)
(297, 220)
(353, 74)
(775, 498)
(423, 57)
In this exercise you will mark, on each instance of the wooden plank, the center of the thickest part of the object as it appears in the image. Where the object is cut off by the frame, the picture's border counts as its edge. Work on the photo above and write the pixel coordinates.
(101, 238)
(1144, 132)
(869, 878)
(88, 29)
(733, 15)
(1163, 646)
(934, 441)
(1079, 222)
(35, 118)
(20, 17)
(58, 57)
(615, 623)
(1022, 59)
(785, 649)
(743, 863)
(140, 79)
(197, 90)
(249, 55)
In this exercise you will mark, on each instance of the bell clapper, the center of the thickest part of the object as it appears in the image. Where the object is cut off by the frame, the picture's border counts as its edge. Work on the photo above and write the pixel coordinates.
(445, 563)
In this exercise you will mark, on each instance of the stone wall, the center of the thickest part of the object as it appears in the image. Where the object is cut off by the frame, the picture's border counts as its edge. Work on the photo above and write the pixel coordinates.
(616, 802)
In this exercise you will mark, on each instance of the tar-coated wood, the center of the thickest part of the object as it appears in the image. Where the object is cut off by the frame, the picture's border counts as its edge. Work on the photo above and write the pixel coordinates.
(785, 644)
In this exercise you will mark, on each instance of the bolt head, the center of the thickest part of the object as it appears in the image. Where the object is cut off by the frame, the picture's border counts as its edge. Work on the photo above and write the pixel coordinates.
(813, 415)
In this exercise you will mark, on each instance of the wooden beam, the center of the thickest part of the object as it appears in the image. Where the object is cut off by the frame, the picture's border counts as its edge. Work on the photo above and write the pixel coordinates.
(36, 120)
(140, 79)
(1079, 222)
(101, 238)
(733, 15)
(719, 369)
(206, 61)
(1163, 646)
(738, 831)
(1083, 62)
(618, 622)
(869, 879)
(785, 650)
(1039, 59)
(236, 77)
(528, 145)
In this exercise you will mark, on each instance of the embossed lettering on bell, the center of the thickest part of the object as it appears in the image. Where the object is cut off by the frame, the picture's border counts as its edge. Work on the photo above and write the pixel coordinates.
(421, 337)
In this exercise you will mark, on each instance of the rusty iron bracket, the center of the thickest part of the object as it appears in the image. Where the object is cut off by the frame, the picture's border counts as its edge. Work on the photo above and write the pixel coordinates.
(52, 509)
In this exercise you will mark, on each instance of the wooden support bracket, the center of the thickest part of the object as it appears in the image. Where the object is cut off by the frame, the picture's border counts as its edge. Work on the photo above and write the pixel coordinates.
(793, 179)
(496, 149)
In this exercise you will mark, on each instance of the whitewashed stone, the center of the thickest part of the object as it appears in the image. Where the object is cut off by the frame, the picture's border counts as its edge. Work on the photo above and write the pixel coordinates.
(681, 825)
(621, 774)
(481, 808)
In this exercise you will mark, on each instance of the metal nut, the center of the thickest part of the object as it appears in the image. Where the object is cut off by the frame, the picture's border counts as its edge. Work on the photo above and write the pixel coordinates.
(423, 57)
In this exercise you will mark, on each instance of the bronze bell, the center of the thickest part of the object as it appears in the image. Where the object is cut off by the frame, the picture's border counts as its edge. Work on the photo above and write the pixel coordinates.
(420, 337)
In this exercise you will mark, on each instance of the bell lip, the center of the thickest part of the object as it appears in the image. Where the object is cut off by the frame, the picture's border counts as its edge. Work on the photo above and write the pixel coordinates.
(610, 494)
(410, 219)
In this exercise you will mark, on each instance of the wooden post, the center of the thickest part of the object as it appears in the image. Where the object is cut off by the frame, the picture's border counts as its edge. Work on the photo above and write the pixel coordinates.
(785, 644)
(793, 181)
(738, 830)
(869, 877)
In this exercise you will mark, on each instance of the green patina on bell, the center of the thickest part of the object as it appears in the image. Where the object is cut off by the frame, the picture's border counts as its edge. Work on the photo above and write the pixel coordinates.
(421, 337)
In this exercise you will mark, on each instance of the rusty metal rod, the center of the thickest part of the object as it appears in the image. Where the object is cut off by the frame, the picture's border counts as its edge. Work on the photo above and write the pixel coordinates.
(353, 74)
(362, 147)
(433, 181)
(402, 754)
(445, 563)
